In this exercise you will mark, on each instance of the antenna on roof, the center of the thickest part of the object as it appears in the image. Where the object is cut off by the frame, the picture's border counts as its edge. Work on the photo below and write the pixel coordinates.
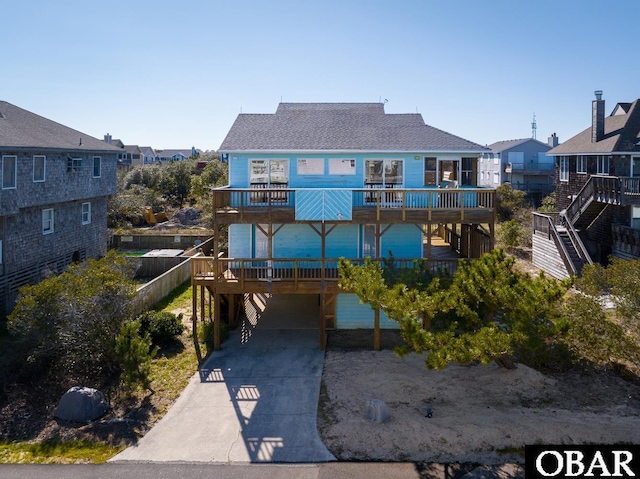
(534, 127)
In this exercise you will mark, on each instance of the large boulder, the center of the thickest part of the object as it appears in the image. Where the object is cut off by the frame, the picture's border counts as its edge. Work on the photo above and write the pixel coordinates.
(81, 404)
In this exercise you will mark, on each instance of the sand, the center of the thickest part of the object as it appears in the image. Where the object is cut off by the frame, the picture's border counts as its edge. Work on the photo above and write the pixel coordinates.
(481, 414)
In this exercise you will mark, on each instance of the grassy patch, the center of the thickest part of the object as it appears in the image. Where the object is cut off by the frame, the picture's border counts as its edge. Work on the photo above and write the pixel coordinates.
(72, 452)
(181, 297)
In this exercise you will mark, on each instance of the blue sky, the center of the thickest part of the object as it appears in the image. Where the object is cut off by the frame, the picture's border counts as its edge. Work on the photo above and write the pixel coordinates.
(175, 74)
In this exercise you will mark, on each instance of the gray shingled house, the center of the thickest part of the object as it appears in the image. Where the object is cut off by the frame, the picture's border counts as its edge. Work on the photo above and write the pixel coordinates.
(314, 182)
(53, 198)
(597, 194)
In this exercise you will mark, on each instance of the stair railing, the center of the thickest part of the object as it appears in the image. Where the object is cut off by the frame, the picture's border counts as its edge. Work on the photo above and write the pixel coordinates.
(578, 244)
(549, 227)
(580, 202)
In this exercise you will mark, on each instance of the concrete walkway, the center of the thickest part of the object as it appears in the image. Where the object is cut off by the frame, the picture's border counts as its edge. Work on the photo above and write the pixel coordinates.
(253, 401)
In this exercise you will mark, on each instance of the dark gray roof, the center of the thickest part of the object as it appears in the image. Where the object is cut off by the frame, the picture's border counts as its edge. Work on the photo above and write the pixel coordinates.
(22, 129)
(172, 153)
(621, 133)
(339, 126)
(500, 146)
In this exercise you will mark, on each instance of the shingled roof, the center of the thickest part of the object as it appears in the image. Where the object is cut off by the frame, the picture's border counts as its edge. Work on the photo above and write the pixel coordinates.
(20, 129)
(621, 134)
(500, 146)
(339, 127)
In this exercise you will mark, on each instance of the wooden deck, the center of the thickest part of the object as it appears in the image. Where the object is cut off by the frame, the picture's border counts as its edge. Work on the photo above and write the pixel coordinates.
(368, 206)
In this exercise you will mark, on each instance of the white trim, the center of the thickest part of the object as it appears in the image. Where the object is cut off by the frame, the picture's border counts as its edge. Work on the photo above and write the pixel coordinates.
(15, 172)
(50, 229)
(44, 168)
(88, 213)
(350, 152)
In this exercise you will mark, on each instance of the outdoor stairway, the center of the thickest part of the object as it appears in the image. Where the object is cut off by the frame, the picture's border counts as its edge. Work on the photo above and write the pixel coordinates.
(589, 214)
(571, 249)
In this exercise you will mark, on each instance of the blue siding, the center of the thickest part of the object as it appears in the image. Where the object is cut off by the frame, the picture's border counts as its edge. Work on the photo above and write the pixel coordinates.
(343, 241)
(240, 241)
(351, 314)
(404, 241)
(296, 241)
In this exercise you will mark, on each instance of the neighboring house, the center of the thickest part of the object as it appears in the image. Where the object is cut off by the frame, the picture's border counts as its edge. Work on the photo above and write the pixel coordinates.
(177, 155)
(132, 156)
(597, 194)
(318, 181)
(53, 199)
(148, 155)
(523, 164)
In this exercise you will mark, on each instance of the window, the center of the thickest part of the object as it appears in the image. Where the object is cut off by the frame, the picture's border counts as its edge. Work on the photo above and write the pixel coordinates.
(581, 164)
(603, 165)
(74, 164)
(38, 168)
(9, 172)
(339, 166)
(268, 173)
(47, 221)
(313, 166)
(97, 166)
(564, 168)
(430, 171)
(368, 241)
(468, 178)
(86, 213)
(384, 173)
(496, 178)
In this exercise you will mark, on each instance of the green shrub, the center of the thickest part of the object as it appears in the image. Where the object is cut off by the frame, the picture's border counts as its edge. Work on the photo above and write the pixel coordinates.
(134, 353)
(162, 326)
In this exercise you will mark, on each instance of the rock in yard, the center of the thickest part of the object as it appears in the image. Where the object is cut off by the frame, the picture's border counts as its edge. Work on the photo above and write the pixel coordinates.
(376, 411)
(81, 404)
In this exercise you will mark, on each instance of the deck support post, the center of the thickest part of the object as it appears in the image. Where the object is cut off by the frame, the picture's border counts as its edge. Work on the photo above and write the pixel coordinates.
(194, 321)
(323, 326)
(216, 321)
(376, 329)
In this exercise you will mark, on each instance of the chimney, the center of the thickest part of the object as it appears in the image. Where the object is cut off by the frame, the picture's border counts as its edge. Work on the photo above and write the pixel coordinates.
(553, 140)
(107, 138)
(597, 118)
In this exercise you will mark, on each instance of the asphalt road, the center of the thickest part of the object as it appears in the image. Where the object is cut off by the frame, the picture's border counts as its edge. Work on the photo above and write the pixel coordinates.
(332, 470)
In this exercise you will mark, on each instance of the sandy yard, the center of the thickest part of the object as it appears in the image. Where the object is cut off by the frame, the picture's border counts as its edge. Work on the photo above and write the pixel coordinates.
(481, 414)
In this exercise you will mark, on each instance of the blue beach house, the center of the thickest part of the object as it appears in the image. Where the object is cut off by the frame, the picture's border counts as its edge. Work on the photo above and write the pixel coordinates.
(314, 182)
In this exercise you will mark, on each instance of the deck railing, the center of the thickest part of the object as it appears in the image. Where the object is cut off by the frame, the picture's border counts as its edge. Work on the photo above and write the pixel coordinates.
(294, 269)
(242, 199)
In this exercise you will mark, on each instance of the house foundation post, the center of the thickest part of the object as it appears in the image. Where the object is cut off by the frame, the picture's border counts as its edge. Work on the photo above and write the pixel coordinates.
(376, 329)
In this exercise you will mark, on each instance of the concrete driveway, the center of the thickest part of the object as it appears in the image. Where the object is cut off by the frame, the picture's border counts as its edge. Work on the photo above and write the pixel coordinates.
(253, 401)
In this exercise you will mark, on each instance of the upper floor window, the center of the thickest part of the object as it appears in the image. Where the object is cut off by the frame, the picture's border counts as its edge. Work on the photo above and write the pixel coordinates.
(467, 174)
(9, 172)
(269, 173)
(603, 165)
(430, 163)
(384, 173)
(97, 167)
(74, 164)
(38, 168)
(47, 221)
(581, 164)
(564, 168)
(86, 213)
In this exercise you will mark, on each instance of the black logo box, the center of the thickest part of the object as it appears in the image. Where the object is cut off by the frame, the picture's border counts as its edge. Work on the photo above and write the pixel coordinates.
(560, 461)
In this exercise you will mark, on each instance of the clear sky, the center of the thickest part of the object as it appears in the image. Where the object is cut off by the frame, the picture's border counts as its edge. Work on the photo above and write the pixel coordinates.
(175, 74)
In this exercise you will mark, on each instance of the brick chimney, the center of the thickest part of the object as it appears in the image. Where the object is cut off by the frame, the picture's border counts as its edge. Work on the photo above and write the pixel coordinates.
(597, 117)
